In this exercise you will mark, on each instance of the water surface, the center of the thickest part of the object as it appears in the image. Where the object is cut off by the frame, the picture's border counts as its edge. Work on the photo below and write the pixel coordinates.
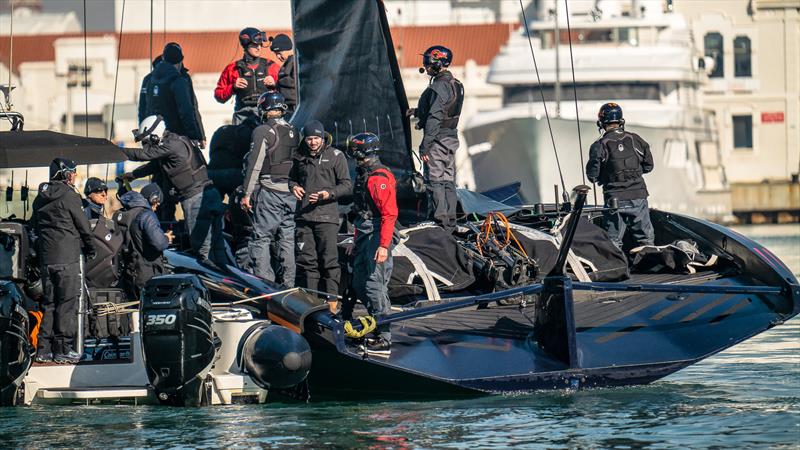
(748, 396)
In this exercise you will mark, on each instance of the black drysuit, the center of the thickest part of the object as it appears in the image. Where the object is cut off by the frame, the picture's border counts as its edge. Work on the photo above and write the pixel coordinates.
(438, 111)
(63, 233)
(144, 244)
(318, 223)
(287, 84)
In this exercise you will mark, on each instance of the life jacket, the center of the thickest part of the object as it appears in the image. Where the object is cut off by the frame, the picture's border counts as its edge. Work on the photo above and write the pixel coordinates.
(281, 154)
(365, 207)
(101, 272)
(255, 82)
(623, 159)
(452, 108)
(133, 267)
(192, 173)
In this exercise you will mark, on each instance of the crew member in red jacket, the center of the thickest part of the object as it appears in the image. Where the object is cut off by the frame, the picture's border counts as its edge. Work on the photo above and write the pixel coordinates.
(247, 78)
(375, 205)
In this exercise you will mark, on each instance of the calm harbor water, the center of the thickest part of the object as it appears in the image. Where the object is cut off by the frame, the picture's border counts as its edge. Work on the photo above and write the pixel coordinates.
(748, 396)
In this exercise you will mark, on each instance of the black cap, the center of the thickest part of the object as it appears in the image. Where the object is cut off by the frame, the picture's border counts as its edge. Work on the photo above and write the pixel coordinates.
(94, 184)
(280, 43)
(314, 128)
(173, 53)
(152, 193)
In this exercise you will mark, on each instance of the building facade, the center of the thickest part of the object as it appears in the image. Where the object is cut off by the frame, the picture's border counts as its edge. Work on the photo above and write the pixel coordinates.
(754, 86)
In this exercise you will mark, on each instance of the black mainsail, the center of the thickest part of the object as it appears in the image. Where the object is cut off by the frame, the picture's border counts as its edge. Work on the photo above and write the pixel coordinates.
(348, 76)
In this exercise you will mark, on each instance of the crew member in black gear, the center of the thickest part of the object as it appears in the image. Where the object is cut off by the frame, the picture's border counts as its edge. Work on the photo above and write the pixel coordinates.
(144, 108)
(144, 241)
(101, 271)
(617, 162)
(150, 104)
(281, 45)
(248, 78)
(96, 193)
(170, 94)
(228, 147)
(184, 168)
(266, 189)
(63, 234)
(375, 208)
(438, 111)
(318, 179)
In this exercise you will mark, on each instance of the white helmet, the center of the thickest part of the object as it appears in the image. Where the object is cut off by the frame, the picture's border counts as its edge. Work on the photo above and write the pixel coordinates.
(150, 130)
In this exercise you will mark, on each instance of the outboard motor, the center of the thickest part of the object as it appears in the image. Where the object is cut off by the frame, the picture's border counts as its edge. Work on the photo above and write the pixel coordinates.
(15, 347)
(274, 356)
(177, 339)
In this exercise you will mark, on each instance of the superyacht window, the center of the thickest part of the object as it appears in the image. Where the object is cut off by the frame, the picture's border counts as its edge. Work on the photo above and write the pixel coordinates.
(743, 131)
(742, 66)
(713, 48)
(586, 91)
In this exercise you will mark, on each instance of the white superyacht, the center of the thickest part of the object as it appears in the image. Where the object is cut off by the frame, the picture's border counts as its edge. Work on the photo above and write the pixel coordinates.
(638, 54)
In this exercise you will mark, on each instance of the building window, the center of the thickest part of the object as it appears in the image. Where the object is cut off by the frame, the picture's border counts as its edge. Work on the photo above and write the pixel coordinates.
(742, 66)
(713, 45)
(743, 131)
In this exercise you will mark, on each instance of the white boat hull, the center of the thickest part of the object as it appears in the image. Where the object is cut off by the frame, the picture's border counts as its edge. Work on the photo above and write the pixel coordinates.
(126, 381)
(520, 149)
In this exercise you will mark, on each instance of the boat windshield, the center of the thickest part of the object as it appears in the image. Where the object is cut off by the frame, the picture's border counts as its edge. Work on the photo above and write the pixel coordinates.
(586, 92)
(592, 36)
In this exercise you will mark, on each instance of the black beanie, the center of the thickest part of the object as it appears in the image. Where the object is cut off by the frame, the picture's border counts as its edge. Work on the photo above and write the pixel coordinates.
(314, 128)
(173, 53)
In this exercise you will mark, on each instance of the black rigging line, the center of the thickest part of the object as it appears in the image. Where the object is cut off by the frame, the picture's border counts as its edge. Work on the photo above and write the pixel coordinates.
(164, 36)
(575, 93)
(85, 73)
(116, 76)
(544, 105)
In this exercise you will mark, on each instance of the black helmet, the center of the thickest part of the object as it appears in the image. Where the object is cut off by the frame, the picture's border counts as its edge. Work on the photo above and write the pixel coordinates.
(93, 185)
(437, 57)
(251, 35)
(363, 145)
(271, 100)
(610, 113)
(60, 167)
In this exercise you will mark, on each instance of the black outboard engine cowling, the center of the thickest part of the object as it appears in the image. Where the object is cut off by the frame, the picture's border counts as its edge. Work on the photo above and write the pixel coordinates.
(15, 347)
(274, 356)
(177, 339)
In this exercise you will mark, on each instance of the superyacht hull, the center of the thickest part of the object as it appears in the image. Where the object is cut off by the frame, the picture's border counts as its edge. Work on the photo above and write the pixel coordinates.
(520, 149)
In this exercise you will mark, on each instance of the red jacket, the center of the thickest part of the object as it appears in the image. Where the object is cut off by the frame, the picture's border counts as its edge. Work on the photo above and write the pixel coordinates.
(384, 194)
(224, 90)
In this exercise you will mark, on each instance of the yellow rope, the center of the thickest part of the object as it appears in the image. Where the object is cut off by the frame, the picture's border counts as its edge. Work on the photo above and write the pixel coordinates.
(368, 325)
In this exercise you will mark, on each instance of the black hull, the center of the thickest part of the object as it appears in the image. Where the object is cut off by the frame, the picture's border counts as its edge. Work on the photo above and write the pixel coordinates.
(618, 338)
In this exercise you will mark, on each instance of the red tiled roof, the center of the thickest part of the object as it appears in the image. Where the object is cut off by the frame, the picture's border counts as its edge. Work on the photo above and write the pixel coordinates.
(209, 52)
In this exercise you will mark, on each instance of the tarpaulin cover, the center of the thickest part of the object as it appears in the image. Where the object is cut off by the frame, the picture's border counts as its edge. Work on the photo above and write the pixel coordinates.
(348, 75)
(38, 148)
(592, 243)
(441, 253)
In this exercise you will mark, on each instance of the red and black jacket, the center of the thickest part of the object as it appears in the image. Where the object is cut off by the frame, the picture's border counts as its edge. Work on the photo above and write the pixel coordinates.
(375, 198)
(255, 73)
